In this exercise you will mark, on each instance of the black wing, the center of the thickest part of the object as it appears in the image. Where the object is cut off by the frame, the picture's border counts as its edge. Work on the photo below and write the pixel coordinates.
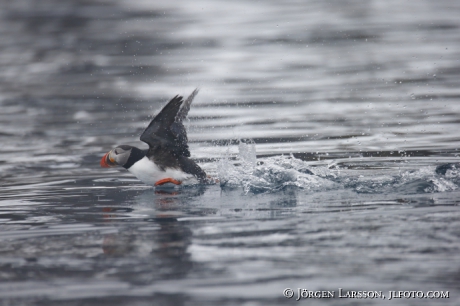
(178, 128)
(186, 106)
(166, 131)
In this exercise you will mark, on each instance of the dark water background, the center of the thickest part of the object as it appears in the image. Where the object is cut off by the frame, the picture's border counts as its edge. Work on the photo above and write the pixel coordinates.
(349, 106)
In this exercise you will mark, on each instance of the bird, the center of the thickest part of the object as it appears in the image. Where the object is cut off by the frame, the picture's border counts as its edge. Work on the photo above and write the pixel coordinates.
(167, 160)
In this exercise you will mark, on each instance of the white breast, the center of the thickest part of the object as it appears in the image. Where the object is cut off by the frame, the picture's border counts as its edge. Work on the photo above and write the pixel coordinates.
(148, 172)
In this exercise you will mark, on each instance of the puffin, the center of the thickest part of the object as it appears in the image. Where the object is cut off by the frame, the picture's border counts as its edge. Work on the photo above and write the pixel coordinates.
(167, 160)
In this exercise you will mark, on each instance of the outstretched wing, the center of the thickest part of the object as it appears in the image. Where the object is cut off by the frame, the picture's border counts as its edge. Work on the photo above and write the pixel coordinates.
(183, 112)
(158, 134)
(178, 128)
(166, 131)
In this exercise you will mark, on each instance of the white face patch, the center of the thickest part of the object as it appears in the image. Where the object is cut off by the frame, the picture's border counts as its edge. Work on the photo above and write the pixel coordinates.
(120, 155)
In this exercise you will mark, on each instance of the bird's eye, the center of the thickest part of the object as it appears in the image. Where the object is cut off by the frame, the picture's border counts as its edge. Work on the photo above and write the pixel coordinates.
(116, 153)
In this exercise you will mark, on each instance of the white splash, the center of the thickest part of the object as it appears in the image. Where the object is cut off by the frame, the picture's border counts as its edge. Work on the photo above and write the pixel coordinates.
(272, 173)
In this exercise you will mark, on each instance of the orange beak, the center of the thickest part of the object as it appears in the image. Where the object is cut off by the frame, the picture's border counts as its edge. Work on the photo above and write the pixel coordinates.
(107, 162)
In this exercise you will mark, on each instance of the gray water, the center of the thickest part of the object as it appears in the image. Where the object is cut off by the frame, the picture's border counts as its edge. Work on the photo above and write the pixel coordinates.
(332, 126)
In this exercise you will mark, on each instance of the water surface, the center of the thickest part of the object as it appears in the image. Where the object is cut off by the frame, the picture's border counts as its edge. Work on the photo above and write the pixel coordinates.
(332, 126)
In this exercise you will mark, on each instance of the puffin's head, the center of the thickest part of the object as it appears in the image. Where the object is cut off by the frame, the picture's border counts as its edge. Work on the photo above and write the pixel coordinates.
(116, 157)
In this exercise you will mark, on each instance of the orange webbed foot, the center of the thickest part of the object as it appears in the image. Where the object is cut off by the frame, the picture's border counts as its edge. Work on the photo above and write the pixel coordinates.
(167, 180)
